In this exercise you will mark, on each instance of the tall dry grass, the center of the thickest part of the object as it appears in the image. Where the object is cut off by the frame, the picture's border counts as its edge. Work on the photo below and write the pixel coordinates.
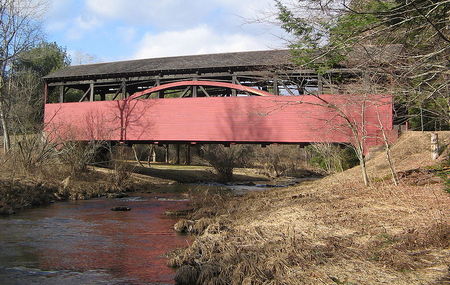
(331, 231)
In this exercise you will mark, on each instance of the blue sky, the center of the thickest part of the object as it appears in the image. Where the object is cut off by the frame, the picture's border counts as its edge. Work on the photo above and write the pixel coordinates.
(109, 30)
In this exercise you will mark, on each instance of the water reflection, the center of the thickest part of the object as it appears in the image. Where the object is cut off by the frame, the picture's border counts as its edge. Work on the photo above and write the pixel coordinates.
(85, 242)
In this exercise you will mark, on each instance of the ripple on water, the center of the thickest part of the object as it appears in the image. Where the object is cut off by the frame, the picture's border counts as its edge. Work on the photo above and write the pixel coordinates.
(24, 275)
(84, 242)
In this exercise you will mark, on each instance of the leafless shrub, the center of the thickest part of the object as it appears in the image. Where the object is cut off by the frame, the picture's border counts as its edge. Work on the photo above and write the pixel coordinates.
(279, 160)
(331, 157)
(122, 170)
(31, 151)
(78, 155)
(225, 159)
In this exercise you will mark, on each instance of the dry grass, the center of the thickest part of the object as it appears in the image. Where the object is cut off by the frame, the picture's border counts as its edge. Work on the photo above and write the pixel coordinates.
(331, 231)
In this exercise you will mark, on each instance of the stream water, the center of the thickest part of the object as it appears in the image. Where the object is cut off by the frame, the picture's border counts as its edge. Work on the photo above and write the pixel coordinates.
(84, 242)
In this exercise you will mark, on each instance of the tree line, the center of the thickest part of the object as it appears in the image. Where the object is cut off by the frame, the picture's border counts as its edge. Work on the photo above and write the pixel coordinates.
(25, 57)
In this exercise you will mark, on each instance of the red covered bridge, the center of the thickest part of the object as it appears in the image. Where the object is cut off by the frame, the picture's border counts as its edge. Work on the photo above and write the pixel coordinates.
(222, 98)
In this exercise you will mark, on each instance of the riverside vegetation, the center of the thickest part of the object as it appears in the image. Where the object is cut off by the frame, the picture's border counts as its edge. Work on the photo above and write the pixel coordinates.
(37, 172)
(329, 231)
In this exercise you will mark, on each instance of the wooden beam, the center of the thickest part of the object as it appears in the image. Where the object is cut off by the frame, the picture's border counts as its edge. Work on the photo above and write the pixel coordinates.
(160, 94)
(124, 89)
(186, 90)
(205, 74)
(117, 93)
(45, 92)
(276, 91)
(194, 88)
(319, 84)
(85, 94)
(234, 81)
(61, 93)
(204, 91)
(91, 96)
(287, 89)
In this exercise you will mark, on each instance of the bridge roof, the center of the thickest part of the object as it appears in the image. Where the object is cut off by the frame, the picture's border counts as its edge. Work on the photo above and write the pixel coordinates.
(177, 64)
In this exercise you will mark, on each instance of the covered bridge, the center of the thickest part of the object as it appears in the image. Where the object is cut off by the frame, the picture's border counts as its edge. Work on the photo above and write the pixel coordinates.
(243, 97)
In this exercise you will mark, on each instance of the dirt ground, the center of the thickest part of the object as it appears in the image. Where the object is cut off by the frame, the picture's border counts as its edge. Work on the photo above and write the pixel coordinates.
(330, 231)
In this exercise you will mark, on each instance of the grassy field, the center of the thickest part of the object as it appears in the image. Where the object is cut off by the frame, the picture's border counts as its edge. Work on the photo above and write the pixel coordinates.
(330, 231)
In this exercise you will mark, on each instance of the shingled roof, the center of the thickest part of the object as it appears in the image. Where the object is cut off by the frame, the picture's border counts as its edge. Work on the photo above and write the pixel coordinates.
(219, 61)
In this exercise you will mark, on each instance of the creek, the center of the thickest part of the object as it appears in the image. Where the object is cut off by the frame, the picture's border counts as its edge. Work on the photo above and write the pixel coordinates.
(84, 242)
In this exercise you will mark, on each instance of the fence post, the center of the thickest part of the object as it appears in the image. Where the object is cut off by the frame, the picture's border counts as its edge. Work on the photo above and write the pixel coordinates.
(434, 146)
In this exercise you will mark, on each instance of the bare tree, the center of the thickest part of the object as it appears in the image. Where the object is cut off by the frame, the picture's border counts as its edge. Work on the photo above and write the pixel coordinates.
(19, 30)
(354, 125)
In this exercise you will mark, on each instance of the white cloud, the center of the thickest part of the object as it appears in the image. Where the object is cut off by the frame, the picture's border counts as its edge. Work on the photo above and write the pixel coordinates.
(178, 13)
(248, 9)
(127, 34)
(198, 40)
(81, 25)
(87, 23)
(80, 57)
(108, 8)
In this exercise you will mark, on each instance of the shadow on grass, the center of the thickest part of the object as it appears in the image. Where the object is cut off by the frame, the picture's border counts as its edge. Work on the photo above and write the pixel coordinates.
(189, 174)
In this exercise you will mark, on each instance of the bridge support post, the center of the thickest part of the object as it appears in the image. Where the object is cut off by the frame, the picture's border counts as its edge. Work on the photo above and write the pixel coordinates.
(188, 155)
(62, 92)
(124, 89)
(178, 154)
(91, 94)
(166, 157)
(194, 88)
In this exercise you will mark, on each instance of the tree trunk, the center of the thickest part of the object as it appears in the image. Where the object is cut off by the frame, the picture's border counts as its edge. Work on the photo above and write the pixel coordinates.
(4, 122)
(362, 163)
(153, 154)
(387, 150)
(136, 156)
(359, 148)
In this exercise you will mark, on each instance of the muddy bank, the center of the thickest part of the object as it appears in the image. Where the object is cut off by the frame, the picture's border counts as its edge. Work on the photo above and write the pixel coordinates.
(27, 190)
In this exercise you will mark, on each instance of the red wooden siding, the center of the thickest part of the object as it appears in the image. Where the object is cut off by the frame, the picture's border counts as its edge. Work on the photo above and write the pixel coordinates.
(256, 119)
